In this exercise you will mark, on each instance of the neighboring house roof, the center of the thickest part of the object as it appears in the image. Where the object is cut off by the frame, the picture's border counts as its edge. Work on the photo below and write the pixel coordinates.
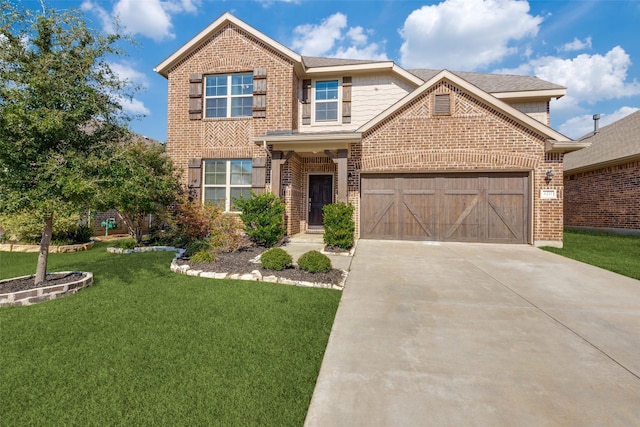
(616, 143)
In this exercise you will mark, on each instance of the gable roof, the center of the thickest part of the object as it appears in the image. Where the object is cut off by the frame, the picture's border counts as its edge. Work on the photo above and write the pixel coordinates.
(616, 143)
(225, 19)
(556, 142)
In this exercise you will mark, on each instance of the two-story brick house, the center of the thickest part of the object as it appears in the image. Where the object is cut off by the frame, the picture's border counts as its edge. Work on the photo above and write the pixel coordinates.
(421, 154)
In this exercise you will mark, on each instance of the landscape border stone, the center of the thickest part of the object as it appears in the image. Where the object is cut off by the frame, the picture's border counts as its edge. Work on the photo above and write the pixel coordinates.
(54, 249)
(45, 293)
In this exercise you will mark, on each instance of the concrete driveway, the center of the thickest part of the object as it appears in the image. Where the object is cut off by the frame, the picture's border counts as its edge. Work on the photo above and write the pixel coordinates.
(479, 335)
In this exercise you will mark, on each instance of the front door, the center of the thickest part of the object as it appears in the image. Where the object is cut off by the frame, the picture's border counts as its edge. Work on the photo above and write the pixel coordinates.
(320, 194)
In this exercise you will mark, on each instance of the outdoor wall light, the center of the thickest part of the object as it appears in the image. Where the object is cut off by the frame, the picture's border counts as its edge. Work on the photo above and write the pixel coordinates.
(549, 175)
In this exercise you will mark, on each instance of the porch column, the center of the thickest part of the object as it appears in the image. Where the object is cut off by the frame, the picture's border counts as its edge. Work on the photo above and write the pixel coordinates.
(341, 161)
(276, 180)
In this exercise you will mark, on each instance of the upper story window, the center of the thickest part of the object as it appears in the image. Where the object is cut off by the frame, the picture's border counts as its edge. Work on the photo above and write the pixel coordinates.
(228, 95)
(326, 101)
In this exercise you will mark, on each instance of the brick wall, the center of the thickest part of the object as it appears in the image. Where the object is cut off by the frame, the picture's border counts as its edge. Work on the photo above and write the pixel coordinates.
(607, 197)
(228, 51)
(475, 137)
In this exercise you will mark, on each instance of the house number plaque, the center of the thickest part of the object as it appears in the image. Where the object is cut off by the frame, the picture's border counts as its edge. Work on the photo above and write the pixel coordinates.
(548, 194)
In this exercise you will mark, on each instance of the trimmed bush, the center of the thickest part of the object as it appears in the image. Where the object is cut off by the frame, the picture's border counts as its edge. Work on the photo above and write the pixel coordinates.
(339, 227)
(263, 218)
(276, 259)
(314, 262)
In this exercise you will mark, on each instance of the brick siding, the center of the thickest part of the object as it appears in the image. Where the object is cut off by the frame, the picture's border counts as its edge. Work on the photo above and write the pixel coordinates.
(608, 197)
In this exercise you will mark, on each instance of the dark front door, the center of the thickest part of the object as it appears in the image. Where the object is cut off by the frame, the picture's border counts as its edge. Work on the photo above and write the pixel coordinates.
(320, 194)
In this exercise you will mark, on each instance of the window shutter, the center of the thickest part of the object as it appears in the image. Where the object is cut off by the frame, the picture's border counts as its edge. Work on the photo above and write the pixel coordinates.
(195, 178)
(346, 100)
(306, 102)
(195, 97)
(442, 104)
(259, 93)
(259, 174)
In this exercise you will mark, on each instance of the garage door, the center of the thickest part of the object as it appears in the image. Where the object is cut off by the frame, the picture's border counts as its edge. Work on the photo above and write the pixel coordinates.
(483, 207)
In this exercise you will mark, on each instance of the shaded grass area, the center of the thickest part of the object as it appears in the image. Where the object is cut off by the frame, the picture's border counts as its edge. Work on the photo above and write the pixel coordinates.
(144, 346)
(614, 252)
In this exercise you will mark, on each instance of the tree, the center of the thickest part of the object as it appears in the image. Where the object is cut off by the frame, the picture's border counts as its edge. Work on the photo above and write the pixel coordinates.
(60, 114)
(138, 180)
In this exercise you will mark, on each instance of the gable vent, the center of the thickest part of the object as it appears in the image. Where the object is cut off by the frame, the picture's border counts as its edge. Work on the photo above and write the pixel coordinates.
(442, 104)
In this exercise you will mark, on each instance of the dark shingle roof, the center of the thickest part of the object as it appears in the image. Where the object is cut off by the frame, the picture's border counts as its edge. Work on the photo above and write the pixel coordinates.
(495, 83)
(619, 140)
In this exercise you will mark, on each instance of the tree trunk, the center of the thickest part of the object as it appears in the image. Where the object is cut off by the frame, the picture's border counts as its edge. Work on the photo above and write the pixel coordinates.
(47, 231)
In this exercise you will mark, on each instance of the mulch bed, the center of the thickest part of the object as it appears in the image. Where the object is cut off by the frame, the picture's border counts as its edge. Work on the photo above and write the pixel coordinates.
(240, 262)
(52, 279)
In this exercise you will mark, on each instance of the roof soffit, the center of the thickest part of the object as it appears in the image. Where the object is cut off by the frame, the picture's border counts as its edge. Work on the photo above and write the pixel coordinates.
(446, 75)
(225, 19)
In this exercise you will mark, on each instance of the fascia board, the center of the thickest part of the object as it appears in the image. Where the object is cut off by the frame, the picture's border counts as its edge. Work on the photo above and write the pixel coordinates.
(529, 94)
(363, 68)
(555, 146)
(192, 44)
(479, 93)
(302, 138)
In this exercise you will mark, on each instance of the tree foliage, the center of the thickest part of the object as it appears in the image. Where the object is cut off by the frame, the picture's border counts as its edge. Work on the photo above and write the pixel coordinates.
(60, 113)
(138, 179)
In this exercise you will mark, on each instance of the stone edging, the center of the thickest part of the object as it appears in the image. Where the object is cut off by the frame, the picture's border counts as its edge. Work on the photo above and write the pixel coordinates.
(115, 250)
(33, 296)
(255, 275)
(16, 247)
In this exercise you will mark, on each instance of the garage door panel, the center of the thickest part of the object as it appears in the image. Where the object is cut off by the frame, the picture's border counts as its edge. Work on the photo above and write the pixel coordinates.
(470, 207)
(418, 215)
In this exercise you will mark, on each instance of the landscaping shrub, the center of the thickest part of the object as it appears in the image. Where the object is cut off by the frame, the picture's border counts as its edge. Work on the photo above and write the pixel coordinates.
(198, 245)
(276, 259)
(128, 243)
(226, 233)
(314, 262)
(203, 256)
(263, 218)
(27, 227)
(339, 227)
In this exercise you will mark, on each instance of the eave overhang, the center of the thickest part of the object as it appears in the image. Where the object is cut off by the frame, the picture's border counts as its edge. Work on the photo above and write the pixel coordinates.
(364, 68)
(552, 146)
(531, 94)
(300, 142)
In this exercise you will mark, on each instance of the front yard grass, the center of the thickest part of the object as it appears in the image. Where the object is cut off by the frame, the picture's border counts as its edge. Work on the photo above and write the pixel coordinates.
(614, 252)
(144, 346)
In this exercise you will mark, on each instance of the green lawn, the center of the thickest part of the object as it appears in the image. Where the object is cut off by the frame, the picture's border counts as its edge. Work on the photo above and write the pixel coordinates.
(144, 346)
(613, 252)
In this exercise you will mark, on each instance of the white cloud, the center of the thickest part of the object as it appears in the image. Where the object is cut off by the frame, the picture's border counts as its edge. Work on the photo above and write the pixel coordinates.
(576, 44)
(579, 126)
(133, 106)
(588, 78)
(465, 34)
(129, 74)
(333, 38)
(149, 18)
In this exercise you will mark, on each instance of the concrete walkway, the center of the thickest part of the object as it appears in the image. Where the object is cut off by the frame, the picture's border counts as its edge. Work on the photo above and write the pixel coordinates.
(479, 335)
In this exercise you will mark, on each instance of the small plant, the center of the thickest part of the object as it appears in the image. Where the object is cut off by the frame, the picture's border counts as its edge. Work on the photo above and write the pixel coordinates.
(339, 226)
(314, 262)
(203, 257)
(263, 218)
(276, 259)
(125, 243)
(198, 245)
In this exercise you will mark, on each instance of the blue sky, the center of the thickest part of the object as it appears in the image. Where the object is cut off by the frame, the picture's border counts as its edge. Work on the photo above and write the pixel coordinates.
(591, 47)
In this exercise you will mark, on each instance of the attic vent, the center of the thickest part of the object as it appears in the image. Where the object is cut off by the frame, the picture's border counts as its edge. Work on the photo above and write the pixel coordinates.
(442, 104)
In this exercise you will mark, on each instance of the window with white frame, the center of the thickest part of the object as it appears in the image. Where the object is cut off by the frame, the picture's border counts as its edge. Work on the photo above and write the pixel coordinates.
(228, 95)
(326, 100)
(226, 180)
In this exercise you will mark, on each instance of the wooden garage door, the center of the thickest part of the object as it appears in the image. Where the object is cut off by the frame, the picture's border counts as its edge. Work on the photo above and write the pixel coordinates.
(489, 207)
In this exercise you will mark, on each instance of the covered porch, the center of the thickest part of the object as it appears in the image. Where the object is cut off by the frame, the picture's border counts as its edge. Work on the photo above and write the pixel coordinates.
(308, 171)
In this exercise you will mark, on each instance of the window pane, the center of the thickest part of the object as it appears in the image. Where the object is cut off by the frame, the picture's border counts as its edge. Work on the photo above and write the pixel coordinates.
(240, 172)
(215, 172)
(215, 196)
(327, 111)
(237, 193)
(242, 107)
(216, 107)
(242, 84)
(327, 90)
(216, 86)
